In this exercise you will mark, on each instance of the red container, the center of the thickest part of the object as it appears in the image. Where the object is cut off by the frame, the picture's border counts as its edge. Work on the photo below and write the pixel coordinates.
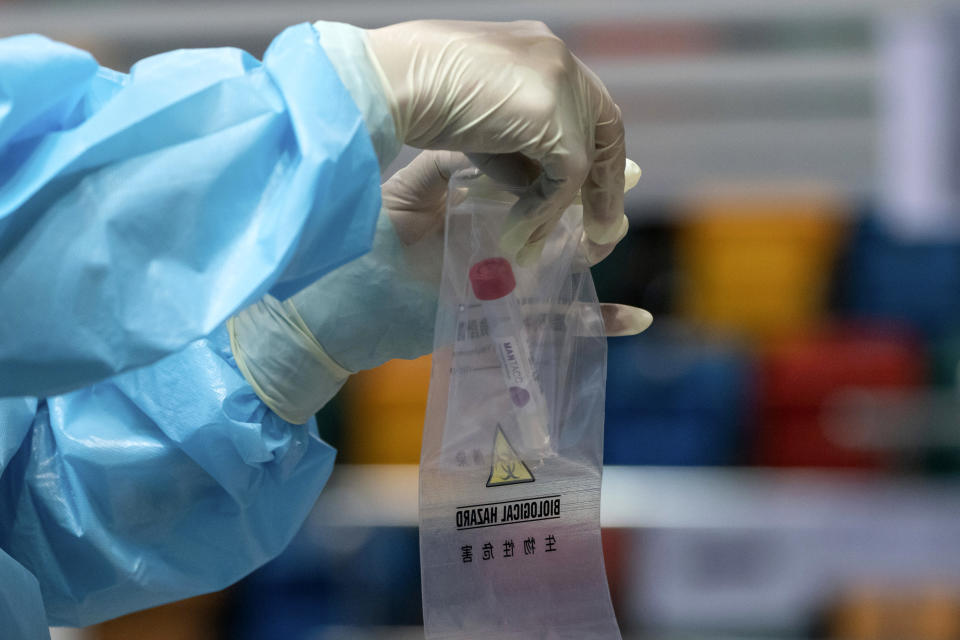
(800, 377)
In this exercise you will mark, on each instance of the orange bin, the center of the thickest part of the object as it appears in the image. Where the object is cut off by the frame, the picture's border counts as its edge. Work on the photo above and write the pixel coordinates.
(884, 613)
(384, 410)
(759, 264)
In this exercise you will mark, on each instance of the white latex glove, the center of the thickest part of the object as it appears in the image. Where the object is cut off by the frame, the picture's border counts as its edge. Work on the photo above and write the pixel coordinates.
(510, 95)
(297, 353)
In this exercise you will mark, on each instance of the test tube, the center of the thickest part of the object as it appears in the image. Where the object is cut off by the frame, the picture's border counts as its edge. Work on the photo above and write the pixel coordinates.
(493, 284)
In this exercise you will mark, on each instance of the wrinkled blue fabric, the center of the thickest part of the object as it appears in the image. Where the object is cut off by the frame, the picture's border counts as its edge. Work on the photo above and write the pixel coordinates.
(161, 483)
(138, 212)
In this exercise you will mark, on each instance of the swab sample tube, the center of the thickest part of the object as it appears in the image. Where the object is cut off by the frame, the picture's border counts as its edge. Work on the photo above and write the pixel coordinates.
(493, 285)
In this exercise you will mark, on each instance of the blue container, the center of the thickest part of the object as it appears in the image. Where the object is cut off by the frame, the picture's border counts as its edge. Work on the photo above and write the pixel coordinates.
(331, 576)
(917, 283)
(675, 398)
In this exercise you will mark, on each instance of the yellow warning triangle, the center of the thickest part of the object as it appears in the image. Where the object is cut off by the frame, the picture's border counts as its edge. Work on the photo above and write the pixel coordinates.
(507, 467)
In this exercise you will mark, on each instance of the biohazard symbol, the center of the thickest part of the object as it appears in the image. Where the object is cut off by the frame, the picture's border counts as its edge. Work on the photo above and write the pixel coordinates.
(507, 467)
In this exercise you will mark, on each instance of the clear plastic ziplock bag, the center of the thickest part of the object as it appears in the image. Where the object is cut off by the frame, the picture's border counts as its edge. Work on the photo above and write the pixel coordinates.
(511, 460)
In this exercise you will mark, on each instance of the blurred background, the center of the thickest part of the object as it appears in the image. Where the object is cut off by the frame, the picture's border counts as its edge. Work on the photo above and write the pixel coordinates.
(784, 443)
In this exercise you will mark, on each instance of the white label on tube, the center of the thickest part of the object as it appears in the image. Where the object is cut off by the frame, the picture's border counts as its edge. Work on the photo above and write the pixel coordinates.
(515, 368)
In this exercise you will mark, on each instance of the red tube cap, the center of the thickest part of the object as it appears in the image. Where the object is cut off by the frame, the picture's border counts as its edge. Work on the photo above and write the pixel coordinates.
(492, 278)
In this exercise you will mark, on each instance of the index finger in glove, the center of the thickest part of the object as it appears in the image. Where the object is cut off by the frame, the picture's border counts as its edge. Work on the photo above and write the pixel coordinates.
(586, 152)
(602, 192)
(542, 204)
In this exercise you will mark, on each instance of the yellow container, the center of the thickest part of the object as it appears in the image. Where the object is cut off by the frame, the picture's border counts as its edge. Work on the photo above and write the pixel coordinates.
(915, 612)
(384, 413)
(197, 618)
(759, 264)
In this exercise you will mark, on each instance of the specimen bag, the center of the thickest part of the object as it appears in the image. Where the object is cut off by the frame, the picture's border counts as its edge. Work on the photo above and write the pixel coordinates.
(511, 461)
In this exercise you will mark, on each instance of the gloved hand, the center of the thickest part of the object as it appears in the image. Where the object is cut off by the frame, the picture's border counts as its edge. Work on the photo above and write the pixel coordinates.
(296, 354)
(508, 94)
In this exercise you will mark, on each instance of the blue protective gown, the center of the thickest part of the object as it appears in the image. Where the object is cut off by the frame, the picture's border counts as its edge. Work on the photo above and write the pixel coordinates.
(137, 213)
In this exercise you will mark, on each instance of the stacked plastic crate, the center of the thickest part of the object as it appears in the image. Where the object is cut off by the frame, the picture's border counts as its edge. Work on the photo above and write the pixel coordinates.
(803, 378)
(384, 410)
(675, 397)
(759, 264)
